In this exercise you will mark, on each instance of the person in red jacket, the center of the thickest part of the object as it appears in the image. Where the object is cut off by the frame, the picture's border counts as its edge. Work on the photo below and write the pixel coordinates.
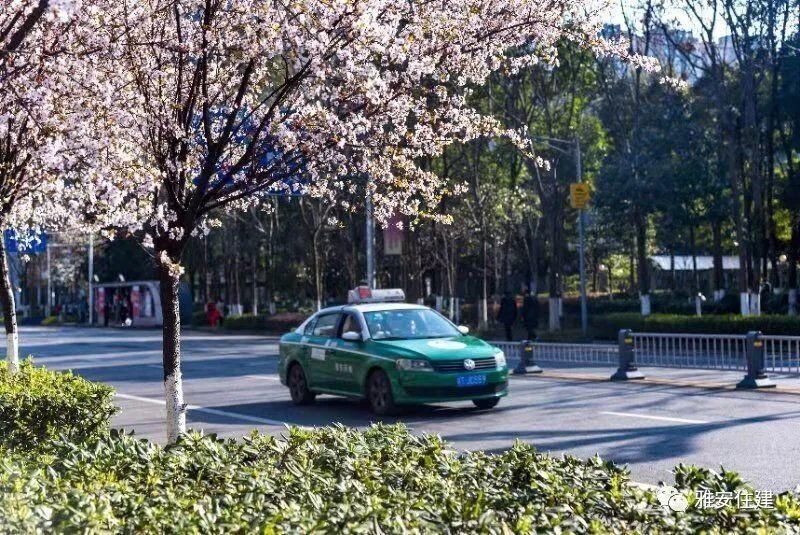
(213, 315)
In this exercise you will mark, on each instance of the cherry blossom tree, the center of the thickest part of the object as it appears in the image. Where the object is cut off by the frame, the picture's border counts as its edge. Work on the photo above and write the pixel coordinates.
(41, 137)
(216, 103)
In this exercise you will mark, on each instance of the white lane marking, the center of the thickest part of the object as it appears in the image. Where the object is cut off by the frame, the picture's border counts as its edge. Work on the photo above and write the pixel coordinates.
(216, 412)
(660, 418)
(267, 377)
(250, 376)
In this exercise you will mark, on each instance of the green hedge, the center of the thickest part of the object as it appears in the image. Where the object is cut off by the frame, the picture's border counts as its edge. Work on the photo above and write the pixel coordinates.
(38, 405)
(326, 480)
(50, 320)
(337, 480)
(608, 326)
(277, 323)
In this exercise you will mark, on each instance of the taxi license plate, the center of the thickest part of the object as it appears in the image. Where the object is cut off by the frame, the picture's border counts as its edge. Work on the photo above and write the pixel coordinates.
(471, 380)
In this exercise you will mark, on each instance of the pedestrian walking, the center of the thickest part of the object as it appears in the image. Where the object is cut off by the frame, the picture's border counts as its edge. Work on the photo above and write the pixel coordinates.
(507, 314)
(530, 315)
(212, 314)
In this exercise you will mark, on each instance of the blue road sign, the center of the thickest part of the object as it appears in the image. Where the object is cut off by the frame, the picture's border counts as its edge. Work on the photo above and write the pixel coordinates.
(27, 243)
(289, 176)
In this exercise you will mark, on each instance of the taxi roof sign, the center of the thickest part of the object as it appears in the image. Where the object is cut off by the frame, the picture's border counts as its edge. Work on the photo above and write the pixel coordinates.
(364, 294)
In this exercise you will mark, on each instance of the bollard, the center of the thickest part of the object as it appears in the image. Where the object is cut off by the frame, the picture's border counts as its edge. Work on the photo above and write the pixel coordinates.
(526, 363)
(627, 365)
(756, 376)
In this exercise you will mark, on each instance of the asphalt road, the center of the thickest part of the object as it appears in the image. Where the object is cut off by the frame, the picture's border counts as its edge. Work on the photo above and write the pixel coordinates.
(231, 385)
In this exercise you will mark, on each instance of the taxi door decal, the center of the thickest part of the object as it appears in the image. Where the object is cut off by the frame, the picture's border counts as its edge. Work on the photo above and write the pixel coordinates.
(318, 353)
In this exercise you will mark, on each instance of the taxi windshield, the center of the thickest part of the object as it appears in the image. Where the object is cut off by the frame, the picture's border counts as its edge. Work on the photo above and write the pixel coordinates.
(408, 324)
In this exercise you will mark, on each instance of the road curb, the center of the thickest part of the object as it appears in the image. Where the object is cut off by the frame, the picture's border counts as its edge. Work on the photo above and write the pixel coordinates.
(656, 382)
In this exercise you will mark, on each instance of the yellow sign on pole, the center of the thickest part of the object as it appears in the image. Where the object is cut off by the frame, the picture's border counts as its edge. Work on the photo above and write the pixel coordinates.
(579, 195)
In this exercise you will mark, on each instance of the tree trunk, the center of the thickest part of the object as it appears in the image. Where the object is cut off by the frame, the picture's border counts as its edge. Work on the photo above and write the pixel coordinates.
(695, 274)
(169, 278)
(554, 274)
(255, 282)
(483, 303)
(206, 273)
(794, 253)
(9, 311)
(719, 282)
(642, 264)
(317, 270)
(673, 279)
(237, 288)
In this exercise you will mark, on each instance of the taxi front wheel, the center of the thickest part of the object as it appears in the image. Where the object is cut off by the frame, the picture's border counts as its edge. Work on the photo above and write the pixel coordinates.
(298, 386)
(486, 403)
(379, 394)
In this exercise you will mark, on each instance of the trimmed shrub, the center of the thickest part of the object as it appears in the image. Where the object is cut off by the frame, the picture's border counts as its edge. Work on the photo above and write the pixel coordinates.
(607, 327)
(199, 318)
(50, 320)
(38, 405)
(278, 323)
(337, 480)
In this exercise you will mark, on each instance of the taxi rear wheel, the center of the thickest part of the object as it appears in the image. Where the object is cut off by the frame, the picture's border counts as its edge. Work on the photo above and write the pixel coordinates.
(379, 394)
(298, 386)
(486, 403)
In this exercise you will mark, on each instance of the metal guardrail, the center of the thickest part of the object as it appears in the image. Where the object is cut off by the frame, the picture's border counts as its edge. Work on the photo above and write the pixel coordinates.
(710, 351)
(752, 353)
(562, 352)
(782, 354)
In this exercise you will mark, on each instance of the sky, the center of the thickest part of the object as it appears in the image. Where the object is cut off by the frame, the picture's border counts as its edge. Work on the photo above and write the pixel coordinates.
(675, 12)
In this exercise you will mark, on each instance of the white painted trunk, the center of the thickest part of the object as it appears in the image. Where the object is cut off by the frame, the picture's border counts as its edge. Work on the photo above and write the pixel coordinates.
(483, 314)
(272, 308)
(793, 302)
(644, 302)
(438, 303)
(176, 411)
(718, 295)
(12, 352)
(698, 306)
(744, 303)
(755, 303)
(553, 316)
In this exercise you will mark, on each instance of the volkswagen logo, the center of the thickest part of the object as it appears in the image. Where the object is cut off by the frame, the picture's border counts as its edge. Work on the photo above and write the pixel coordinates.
(469, 364)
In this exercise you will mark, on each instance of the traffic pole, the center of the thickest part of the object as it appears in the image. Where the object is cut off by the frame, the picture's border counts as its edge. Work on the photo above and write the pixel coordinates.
(581, 261)
(581, 266)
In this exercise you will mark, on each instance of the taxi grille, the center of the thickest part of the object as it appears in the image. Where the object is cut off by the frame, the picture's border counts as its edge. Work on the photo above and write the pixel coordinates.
(486, 363)
(456, 392)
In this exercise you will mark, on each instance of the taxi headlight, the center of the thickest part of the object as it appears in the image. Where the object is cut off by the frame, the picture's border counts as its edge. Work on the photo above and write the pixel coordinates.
(415, 365)
(500, 360)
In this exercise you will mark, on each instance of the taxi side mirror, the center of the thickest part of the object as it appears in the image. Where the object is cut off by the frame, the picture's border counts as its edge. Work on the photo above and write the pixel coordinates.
(463, 329)
(351, 336)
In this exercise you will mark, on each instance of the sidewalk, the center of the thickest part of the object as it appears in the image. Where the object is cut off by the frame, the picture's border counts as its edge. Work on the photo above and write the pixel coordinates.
(684, 377)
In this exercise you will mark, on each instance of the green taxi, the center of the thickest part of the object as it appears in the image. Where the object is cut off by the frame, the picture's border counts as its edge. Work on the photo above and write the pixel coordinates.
(392, 354)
